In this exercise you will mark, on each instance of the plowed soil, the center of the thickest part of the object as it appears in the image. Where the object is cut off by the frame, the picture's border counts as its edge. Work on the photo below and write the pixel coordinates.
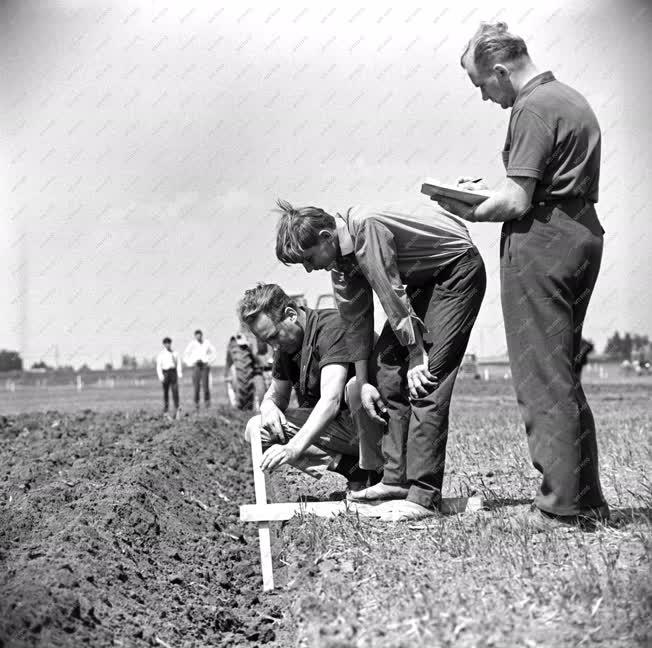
(121, 529)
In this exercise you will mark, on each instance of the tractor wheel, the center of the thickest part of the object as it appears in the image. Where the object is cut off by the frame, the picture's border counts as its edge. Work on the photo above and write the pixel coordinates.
(240, 385)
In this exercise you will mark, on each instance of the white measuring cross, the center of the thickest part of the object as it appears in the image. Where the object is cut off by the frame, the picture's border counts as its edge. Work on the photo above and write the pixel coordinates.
(264, 513)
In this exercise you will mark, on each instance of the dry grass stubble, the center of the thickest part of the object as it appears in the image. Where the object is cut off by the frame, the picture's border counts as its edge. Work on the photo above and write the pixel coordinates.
(480, 579)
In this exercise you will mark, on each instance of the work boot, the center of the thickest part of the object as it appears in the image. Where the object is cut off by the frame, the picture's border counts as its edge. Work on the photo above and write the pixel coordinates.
(542, 522)
(601, 514)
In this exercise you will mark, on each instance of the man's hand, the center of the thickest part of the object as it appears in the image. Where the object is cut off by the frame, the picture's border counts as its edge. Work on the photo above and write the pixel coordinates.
(373, 403)
(277, 455)
(471, 184)
(273, 420)
(420, 381)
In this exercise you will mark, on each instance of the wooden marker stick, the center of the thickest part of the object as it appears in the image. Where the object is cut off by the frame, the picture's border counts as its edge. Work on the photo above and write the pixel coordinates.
(261, 498)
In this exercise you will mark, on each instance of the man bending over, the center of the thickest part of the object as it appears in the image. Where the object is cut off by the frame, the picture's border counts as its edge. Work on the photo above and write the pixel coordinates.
(311, 355)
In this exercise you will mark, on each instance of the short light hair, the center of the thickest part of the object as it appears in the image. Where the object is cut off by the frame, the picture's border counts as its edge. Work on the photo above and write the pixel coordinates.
(492, 44)
(269, 299)
(298, 229)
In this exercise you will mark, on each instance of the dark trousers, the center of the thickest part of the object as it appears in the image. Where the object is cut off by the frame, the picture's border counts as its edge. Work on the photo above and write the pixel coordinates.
(338, 439)
(550, 261)
(200, 381)
(170, 381)
(414, 444)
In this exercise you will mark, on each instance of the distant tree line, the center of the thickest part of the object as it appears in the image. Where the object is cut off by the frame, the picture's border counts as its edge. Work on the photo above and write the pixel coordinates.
(11, 361)
(624, 347)
(618, 347)
(131, 362)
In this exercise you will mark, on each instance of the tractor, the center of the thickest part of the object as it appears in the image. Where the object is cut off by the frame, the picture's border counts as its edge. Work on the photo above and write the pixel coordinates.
(248, 366)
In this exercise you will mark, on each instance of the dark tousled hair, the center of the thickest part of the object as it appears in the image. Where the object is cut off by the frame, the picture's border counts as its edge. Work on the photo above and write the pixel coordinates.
(270, 299)
(492, 44)
(298, 229)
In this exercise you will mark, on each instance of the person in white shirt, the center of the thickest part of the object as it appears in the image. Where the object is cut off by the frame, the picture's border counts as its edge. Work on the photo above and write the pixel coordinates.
(168, 368)
(199, 354)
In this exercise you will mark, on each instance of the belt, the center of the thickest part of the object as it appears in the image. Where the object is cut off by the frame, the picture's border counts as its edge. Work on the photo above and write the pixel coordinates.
(560, 201)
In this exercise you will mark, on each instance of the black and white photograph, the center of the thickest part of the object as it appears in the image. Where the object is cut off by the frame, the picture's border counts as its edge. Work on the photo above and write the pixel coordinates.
(325, 325)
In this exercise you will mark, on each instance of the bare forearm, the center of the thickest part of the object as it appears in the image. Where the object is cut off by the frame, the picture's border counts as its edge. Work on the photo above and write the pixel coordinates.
(323, 413)
(496, 209)
(510, 201)
(280, 400)
(362, 371)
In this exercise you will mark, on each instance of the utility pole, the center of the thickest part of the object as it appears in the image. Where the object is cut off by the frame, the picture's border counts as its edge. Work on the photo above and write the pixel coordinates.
(22, 296)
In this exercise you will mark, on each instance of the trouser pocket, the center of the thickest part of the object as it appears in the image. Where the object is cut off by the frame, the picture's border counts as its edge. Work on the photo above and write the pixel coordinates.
(505, 242)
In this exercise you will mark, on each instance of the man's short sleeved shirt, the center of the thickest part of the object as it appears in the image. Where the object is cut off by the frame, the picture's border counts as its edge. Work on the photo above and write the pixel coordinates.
(554, 137)
(324, 343)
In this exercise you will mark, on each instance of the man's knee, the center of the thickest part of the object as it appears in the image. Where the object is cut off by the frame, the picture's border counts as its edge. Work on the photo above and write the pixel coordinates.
(254, 423)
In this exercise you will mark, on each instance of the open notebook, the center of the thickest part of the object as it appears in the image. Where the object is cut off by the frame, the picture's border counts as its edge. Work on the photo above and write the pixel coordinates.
(436, 191)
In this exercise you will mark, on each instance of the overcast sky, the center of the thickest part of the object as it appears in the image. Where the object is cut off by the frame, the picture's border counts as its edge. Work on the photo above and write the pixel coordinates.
(143, 146)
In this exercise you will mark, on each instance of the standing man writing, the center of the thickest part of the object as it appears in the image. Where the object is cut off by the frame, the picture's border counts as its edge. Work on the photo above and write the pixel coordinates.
(199, 354)
(168, 369)
(550, 253)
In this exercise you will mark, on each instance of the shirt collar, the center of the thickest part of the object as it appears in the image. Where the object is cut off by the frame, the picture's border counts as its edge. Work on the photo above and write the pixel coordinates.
(343, 236)
(534, 82)
(309, 330)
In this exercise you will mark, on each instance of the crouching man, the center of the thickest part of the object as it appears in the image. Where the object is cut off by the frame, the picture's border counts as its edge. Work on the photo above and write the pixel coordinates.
(329, 430)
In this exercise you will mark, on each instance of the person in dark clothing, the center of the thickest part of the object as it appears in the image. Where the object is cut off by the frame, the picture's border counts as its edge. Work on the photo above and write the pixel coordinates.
(329, 429)
(430, 279)
(550, 254)
(168, 369)
(582, 358)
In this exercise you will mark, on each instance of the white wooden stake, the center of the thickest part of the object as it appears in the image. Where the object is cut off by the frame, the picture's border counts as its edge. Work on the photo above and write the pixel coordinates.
(261, 498)
(264, 513)
(282, 511)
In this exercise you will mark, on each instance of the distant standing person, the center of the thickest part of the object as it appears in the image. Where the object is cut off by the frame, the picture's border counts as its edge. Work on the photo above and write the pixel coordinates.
(168, 368)
(199, 354)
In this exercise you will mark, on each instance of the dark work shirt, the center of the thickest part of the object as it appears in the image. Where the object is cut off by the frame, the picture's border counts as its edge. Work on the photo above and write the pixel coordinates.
(554, 137)
(324, 343)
